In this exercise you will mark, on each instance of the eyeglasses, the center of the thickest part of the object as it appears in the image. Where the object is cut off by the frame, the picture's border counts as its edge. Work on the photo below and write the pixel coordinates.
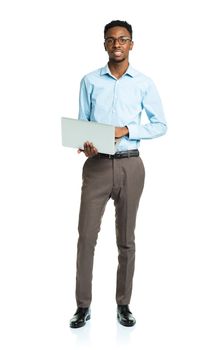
(122, 40)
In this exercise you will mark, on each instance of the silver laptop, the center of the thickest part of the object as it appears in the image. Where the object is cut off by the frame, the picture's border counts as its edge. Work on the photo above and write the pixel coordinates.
(76, 132)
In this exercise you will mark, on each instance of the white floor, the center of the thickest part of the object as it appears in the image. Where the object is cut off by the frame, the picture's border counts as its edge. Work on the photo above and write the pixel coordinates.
(46, 48)
(173, 294)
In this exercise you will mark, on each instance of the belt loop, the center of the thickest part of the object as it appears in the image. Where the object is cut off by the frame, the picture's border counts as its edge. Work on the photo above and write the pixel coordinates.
(128, 154)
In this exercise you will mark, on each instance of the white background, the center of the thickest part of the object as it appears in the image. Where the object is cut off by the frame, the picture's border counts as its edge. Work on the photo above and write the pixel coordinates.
(46, 48)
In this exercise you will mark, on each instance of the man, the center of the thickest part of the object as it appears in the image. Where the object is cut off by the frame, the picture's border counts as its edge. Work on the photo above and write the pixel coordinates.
(115, 94)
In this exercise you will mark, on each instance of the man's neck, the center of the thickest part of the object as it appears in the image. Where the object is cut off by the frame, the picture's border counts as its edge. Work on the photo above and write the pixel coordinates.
(118, 69)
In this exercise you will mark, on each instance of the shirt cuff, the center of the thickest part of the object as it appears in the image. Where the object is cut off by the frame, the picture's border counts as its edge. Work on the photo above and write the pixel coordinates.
(133, 132)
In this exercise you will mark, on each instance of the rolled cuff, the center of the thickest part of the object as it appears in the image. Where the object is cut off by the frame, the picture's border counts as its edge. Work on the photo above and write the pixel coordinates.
(133, 132)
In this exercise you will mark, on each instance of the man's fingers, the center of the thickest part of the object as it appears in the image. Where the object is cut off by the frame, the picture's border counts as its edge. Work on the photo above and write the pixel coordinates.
(95, 151)
(89, 149)
(86, 146)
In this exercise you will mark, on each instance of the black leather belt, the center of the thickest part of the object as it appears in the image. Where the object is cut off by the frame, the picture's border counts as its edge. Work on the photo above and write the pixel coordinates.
(118, 155)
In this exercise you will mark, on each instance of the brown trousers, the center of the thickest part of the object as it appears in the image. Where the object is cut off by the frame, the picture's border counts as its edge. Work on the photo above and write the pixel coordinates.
(123, 181)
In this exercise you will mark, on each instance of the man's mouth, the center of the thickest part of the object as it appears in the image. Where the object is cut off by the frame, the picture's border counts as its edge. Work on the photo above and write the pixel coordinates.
(117, 52)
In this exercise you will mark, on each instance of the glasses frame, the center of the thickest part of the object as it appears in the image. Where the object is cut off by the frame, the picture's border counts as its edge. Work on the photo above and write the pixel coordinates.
(112, 40)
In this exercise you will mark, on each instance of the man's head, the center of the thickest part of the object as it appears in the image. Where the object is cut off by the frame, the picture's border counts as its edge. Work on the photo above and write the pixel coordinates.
(118, 23)
(118, 40)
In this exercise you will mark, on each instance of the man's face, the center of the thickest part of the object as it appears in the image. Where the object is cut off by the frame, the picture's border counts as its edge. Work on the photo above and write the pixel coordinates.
(118, 50)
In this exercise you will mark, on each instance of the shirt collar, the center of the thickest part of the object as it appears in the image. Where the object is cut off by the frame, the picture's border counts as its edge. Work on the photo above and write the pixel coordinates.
(130, 71)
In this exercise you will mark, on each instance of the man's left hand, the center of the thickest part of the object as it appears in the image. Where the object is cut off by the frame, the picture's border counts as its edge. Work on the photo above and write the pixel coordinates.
(120, 132)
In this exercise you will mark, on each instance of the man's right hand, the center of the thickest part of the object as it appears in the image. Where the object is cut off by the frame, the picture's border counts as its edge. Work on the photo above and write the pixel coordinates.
(89, 150)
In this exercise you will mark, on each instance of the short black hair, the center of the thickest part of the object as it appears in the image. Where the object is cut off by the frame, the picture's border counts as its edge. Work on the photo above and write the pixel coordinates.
(118, 23)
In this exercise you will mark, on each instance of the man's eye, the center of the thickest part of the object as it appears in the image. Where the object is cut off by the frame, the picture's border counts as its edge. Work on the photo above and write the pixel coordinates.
(110, 41)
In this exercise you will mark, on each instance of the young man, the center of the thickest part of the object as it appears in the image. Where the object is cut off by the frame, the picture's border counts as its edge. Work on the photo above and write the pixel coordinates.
(115, 94)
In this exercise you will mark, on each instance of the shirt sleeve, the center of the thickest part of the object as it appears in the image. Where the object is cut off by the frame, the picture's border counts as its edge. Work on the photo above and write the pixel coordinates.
(153, 107)
(84, 101)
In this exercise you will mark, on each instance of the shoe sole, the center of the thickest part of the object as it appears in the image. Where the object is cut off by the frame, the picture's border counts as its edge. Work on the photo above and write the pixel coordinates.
(80, 325)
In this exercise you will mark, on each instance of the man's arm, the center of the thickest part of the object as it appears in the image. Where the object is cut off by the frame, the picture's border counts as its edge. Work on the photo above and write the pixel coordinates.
(84, 101)
(84, 114)
(154, 111)
(120, 132)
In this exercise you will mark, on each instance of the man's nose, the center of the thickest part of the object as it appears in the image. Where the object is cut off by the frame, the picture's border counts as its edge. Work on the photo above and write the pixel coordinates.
(116, 43)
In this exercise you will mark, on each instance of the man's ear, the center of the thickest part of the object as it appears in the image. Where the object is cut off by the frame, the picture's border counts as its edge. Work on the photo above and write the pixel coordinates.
(105, 47)
(131, 45)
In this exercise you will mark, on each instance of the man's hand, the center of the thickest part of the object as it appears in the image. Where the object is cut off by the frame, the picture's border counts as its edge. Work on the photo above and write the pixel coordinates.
(89, 150)
(120, 132)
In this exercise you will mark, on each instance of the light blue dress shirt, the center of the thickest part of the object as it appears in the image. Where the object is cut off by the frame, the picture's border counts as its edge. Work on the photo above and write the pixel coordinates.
(120, 102)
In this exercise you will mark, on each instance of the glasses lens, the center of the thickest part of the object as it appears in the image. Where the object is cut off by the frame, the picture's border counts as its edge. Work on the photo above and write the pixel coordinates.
(109, 41)
(122, 40)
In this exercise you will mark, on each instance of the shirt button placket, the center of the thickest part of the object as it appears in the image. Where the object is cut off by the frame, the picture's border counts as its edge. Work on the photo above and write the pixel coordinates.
(115, 98)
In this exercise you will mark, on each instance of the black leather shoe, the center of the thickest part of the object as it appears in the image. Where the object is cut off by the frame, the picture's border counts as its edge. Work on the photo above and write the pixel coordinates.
(125, 316)
(80, 317)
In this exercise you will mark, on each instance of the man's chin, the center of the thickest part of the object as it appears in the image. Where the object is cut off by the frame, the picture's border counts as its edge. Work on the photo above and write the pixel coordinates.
(117, 59)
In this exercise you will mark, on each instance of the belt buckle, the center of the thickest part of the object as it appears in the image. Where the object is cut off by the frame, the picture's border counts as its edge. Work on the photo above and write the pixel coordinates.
(109, 156)
(117, 155)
